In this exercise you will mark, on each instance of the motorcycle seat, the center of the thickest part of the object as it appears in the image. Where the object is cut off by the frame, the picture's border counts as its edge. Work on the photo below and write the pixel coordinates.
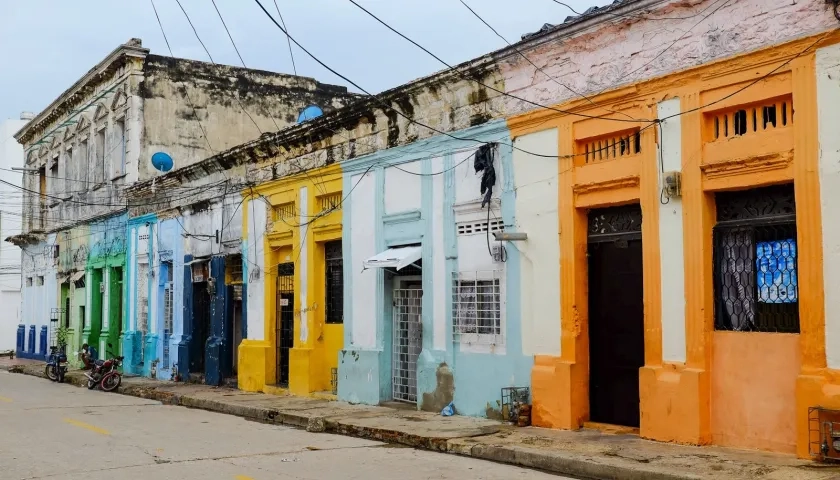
(99, 363)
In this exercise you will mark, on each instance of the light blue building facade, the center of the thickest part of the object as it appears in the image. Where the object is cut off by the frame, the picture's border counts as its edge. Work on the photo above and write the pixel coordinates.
(432, 301)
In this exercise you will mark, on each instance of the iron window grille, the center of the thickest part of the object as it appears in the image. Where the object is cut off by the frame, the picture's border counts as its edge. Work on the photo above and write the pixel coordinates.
(477, 307)
(334, 288)
(755, 261)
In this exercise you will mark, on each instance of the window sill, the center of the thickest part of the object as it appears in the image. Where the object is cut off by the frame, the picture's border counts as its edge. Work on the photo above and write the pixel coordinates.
(480, 339)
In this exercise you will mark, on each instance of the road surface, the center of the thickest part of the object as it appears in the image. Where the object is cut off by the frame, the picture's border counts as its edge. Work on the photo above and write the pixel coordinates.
(52, 431)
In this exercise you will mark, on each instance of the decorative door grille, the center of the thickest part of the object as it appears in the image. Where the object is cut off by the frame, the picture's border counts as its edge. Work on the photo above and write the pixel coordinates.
(408, 342)
(285, 324)
(334, 288)
(615, 223)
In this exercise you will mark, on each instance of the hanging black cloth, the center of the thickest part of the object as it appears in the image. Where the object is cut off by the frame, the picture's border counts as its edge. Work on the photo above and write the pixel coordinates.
(484, 162)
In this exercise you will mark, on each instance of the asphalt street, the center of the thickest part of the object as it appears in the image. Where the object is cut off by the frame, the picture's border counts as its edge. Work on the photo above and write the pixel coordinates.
(52, 431)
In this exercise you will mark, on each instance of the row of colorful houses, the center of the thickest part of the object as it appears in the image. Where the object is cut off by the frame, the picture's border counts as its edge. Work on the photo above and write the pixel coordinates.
(638, 238)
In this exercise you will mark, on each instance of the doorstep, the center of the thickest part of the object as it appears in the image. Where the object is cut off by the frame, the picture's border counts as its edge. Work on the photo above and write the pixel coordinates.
(587, 453)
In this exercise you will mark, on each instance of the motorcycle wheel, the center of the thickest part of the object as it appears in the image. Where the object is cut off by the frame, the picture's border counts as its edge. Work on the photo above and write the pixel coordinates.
(111, 382)
(60, 375)
(49, 371)
(91, 384)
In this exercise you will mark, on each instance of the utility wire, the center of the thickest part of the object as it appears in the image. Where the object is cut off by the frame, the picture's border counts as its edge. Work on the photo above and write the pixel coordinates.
(535, 65)
(490, 87)
(288, 40)
(379, 100)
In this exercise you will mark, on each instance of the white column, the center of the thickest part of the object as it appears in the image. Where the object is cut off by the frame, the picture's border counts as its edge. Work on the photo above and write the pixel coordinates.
(303, 206)
(255, 253)
(828, 99)
(672, 257)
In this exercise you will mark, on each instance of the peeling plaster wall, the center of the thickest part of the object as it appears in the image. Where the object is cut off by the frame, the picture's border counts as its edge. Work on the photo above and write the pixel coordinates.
(623, 51)
(185, 100)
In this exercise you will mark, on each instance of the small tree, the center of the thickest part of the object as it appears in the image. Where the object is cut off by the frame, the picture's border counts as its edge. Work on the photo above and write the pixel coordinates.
(61, 338)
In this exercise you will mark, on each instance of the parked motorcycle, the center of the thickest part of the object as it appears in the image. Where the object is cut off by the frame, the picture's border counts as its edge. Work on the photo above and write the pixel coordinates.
(56, 365)
(105, 374)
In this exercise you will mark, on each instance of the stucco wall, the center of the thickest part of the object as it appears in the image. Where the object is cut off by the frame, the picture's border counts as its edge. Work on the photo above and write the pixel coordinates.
(828, 97)
(185, 103)
(537, 215)
(672, 269)
(622, 51)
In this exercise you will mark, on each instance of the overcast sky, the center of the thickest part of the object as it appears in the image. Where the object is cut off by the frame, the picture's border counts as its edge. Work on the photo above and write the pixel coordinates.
(46, 45)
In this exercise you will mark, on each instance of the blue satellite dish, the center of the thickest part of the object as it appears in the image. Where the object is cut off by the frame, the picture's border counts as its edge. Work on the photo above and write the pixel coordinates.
(309, 113)
(162, 161)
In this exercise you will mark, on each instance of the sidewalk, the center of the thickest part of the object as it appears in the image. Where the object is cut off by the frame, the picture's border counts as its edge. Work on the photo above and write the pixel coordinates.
(585, 454)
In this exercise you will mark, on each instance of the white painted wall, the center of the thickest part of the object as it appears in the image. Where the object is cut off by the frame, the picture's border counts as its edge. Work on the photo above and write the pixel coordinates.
(672, 269)
(403, 189)
(363, 245)
(536, 180)
(303, 234)
(11, 155)
(828, 98)
(255, 251)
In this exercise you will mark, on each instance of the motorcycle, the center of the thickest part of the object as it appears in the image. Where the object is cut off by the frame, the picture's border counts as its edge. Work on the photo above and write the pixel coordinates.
(105, 374)
(56, 365)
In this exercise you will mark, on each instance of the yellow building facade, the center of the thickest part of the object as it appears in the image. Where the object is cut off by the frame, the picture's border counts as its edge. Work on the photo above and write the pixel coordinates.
(295, 283)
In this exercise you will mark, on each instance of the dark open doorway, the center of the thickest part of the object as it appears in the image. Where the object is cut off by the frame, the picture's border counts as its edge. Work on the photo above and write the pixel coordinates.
(201, 326)
(285, 320)
(616, 314)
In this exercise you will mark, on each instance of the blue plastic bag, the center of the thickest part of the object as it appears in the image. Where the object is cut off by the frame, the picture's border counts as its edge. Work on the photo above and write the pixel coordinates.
(448, 410)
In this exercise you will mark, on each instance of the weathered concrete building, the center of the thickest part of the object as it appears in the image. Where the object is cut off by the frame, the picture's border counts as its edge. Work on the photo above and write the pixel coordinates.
(100, 135)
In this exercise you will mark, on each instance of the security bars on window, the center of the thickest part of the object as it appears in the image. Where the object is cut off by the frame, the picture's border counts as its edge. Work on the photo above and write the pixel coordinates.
(477, 307)
(755, 253)
(334, 279)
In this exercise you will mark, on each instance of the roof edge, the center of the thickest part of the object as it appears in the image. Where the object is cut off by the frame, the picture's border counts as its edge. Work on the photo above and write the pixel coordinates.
(132, 47)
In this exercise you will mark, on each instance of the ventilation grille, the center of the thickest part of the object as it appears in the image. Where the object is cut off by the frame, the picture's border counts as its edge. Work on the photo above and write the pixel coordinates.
(612, 147)
(470, 228)
(285, 210)
(746, 121)
(329, 202)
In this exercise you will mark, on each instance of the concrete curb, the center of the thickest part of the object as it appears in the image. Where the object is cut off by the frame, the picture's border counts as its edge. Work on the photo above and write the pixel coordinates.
(554, 461)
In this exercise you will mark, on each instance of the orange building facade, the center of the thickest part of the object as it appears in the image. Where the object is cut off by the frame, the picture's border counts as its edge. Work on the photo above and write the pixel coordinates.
(696, 267)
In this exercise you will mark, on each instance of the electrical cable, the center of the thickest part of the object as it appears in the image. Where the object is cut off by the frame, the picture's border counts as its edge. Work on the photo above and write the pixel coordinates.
(490, 87)
(535, 65)
(291, 54)
(379, 100)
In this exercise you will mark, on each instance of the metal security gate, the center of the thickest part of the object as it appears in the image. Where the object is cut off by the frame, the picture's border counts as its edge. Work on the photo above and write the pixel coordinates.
(142, 308)
(285, 319)
(408, 340)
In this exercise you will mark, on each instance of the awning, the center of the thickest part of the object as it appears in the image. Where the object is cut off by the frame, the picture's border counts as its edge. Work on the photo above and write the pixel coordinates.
(77, 276)
(62, 279)
(397, 258)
